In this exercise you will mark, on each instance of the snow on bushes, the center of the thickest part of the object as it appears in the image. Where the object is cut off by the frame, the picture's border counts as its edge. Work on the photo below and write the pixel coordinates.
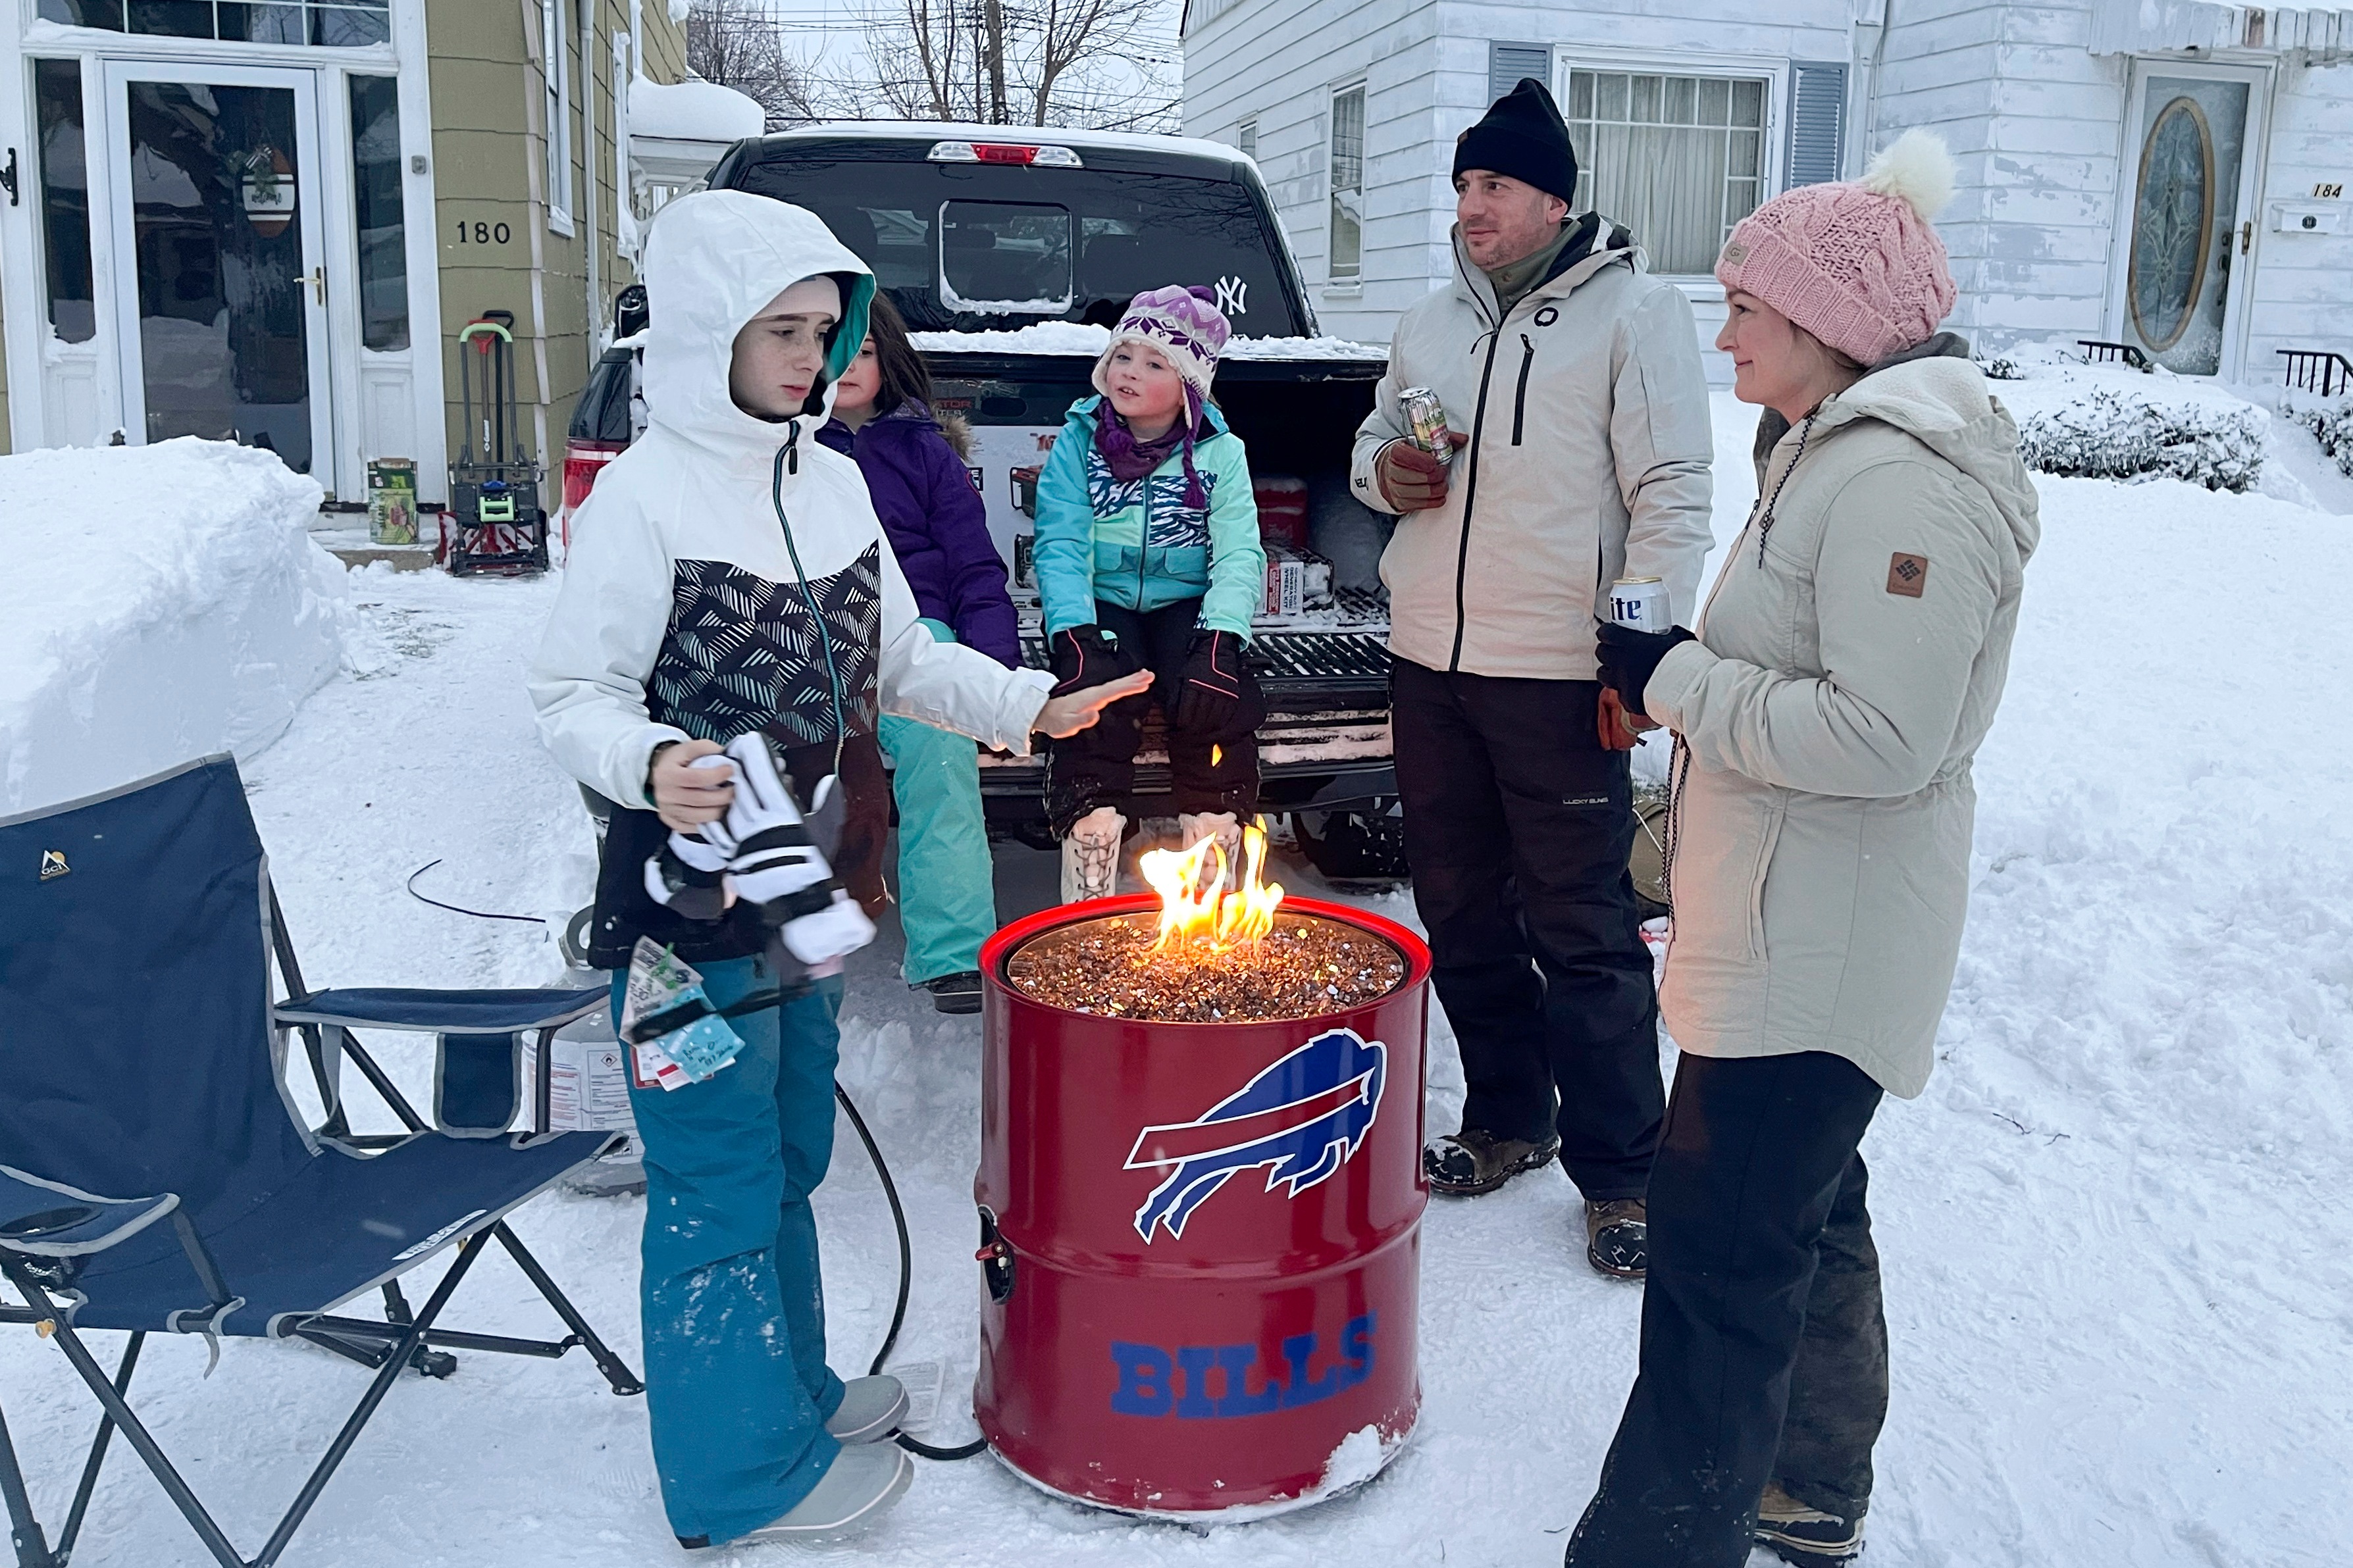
(2331, 424)
(161, 604)
(2114, 422)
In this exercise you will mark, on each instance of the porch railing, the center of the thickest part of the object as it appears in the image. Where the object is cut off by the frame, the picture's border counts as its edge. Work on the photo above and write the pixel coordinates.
(2324, 371)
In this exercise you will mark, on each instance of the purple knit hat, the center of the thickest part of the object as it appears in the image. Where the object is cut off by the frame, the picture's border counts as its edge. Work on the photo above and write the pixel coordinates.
(1185, 328)
(1856, 264)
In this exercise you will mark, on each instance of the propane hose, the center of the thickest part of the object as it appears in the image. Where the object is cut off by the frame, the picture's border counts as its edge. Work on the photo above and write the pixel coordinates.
(906, 1273)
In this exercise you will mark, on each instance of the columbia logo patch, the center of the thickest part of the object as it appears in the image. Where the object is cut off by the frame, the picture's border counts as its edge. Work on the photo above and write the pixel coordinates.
(1907, 574)
(53, 864)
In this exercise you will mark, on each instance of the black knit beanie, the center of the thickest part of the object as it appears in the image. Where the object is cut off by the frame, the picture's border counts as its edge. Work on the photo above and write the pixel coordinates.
(1523, 136)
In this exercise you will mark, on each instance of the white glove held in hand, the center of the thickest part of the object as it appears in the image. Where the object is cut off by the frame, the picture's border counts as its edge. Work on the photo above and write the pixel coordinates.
(772, 861)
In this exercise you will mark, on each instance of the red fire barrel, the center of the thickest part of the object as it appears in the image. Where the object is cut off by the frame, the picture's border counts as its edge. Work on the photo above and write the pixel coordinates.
(1202, 1241)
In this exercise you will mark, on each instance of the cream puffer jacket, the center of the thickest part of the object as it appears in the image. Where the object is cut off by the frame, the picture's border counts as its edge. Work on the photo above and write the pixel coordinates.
(1848, 664)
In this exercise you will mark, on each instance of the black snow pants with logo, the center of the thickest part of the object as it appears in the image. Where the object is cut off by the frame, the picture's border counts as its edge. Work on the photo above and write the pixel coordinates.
(1517, 830)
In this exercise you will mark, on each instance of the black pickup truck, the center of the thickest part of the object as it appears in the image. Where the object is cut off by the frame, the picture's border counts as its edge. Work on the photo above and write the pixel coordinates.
(1010, 252)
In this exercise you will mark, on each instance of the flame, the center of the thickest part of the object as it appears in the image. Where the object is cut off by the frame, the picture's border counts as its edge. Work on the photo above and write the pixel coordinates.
(1216, 755)
(1202, 903)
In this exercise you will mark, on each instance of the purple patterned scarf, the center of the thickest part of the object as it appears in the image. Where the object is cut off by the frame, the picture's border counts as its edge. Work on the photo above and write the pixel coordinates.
(1131, 459)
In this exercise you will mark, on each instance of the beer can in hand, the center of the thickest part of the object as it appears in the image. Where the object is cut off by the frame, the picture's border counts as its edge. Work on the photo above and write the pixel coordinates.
(1425, 419)
(1641, 604)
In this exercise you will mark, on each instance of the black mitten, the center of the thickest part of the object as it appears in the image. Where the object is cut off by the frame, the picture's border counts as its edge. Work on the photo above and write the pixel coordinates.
(1629, 658)
(1213, 696)
(1088, 655)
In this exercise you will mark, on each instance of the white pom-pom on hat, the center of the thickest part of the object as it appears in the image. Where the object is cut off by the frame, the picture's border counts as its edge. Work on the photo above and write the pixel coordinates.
(1917, 167)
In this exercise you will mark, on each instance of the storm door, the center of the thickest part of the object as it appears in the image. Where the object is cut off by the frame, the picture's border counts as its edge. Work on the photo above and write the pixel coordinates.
(2191, 161)
(220, 276)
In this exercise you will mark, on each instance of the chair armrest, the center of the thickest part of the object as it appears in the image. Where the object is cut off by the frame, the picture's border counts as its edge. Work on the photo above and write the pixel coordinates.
(41, 1218)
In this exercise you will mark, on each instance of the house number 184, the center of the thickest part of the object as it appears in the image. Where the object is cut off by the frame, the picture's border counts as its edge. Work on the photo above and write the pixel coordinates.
(478, 233)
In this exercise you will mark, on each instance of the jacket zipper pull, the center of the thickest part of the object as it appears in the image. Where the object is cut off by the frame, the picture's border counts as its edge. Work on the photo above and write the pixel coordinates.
(792, 447)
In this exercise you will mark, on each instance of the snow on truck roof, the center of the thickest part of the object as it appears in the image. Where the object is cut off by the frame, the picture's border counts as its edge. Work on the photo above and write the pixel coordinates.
(1077, 338)
(1018, 136)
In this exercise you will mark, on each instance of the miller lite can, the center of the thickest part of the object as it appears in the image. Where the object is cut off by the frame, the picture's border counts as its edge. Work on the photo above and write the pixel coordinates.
(1425, 419)
(1641, 604)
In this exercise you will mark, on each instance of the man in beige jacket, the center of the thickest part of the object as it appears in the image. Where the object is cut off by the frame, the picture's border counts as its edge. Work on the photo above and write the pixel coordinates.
(1572, 380)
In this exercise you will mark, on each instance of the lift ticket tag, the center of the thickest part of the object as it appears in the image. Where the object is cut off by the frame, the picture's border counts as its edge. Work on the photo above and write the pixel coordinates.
(656, 980)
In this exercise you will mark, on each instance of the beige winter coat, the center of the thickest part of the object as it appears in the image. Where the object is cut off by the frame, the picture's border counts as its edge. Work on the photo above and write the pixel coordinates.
(1828, 713)
(1589, 460)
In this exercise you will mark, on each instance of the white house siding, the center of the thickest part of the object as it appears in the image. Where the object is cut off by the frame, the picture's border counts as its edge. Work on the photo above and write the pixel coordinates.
(2303, 282)
(1425, 68)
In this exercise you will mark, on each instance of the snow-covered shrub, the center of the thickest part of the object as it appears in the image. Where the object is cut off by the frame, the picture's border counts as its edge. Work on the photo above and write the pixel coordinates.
(2331, 425)
(2117, 433)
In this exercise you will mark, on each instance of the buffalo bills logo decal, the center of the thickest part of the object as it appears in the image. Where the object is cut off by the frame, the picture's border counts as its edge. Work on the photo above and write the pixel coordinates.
(1303, 1116)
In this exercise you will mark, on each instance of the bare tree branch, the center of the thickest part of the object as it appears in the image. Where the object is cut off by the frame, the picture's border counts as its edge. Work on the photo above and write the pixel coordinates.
(1102, 63)
(739, 44)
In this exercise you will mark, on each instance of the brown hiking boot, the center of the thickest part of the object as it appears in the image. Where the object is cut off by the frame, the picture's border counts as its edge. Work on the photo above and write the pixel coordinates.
(1806, 1536)
(1618, 1237)
(1464, 1164)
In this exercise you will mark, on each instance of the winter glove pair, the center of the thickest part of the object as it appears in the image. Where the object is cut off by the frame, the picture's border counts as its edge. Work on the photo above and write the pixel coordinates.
(1629, 658)
(770, 853)
(1088, 655)
(1215, 690)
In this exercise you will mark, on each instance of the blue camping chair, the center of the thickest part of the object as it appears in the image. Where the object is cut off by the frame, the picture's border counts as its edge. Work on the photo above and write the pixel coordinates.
(155, 1176)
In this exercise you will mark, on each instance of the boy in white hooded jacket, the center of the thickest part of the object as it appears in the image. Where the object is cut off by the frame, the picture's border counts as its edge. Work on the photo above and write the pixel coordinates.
(728, 578)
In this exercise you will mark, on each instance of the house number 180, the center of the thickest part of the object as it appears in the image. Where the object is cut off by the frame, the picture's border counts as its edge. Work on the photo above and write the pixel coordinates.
(480, 233)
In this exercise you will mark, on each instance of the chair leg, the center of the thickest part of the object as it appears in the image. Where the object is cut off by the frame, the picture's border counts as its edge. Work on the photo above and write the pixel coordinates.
(616, 1371)
(397, 1361)
(133, 1430)
(24, 1529)
(72, 1531)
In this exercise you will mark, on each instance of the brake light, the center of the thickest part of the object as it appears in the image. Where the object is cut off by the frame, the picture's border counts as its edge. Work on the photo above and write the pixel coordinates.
(1004, 153)
(582, 462)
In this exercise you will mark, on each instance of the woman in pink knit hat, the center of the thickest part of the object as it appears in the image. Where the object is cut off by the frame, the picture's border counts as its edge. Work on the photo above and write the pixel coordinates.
(1846, 664)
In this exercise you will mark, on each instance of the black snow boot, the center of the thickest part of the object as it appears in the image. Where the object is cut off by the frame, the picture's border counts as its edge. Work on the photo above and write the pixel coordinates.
(1464, 1164)
(957, 993)
(1806, 1536)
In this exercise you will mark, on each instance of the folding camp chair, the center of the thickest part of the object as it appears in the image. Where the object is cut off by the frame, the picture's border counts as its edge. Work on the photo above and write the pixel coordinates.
(154, 1174)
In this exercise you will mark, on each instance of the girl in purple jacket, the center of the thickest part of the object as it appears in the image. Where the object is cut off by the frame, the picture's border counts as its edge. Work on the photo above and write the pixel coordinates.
(937, 526)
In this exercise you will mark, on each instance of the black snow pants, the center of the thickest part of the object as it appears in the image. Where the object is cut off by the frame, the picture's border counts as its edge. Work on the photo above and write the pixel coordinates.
(1209, 771)
(1764, 1348)
(1517, 829)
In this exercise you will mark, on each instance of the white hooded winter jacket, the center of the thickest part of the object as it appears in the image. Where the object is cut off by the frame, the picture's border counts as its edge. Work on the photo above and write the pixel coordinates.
(727, 570)
(1849, 662)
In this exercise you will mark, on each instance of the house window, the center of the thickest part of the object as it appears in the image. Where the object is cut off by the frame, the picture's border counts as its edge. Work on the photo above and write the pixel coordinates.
(1246, 138)
(377, 211)
(64, 199)
(339, 24)
(556, 74)
(1348, 251)
(1677, 159)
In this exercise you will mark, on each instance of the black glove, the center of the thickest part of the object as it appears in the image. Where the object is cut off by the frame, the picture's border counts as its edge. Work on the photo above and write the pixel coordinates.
(1088, 655)
(1629, 658)
(1213, 691)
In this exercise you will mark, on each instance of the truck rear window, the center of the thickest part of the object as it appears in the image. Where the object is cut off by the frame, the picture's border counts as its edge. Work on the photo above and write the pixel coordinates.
(977, 248)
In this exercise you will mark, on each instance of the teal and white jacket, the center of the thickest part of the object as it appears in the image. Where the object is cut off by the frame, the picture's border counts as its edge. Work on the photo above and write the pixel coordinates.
(1137, 545)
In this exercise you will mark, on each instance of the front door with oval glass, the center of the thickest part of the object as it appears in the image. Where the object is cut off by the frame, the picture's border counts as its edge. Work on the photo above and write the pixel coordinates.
(220, 270)
(2186, 257)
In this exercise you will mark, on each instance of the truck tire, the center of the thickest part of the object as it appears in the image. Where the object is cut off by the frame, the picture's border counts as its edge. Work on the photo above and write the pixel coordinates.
(1364, 846)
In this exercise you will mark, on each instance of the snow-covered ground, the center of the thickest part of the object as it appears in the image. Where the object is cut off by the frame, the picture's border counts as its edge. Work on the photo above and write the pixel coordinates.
(2116, 1230)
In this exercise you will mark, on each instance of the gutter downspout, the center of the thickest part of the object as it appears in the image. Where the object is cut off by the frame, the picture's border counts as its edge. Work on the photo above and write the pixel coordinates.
(1871, 96)
(591, 207)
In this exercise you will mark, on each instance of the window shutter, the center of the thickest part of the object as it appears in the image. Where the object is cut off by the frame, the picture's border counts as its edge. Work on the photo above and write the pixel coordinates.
(1507, 63)
(1817, 121)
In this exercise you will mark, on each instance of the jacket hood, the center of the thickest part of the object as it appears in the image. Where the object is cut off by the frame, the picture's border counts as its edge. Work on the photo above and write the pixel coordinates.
(1594, 243)
(1941, 401)
(712, 261)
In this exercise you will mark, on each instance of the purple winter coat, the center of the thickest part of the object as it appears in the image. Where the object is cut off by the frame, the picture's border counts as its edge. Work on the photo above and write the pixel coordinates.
(936, 524)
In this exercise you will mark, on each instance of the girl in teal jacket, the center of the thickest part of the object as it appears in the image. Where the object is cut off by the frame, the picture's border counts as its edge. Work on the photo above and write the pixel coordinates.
(1148, 557)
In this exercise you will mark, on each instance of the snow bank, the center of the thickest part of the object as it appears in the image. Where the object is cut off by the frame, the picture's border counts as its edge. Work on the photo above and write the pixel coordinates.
(693, 111)
(2330, 422)
(1076, 338)
(2111, 422)
(162, 603)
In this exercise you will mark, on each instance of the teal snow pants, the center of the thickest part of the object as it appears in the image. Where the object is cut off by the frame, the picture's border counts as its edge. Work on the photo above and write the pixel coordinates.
(947, 895)
(736, 1385)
